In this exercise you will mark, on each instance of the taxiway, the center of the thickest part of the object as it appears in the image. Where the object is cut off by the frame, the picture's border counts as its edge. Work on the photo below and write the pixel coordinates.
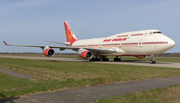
(124, 62)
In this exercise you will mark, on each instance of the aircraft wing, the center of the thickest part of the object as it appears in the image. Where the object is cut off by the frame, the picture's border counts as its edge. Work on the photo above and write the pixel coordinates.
(41, 46)
(104, 50)
(55, 42)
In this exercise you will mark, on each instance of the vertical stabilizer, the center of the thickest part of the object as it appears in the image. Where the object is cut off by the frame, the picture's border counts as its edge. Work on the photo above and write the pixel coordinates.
(70, 37)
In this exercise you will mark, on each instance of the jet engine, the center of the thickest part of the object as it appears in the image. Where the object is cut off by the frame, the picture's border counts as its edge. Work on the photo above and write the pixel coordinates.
(85, 54)
(142, 57)
(49, 52)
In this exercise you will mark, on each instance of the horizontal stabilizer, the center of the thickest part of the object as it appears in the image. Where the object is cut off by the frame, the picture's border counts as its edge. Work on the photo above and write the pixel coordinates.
(5, 43)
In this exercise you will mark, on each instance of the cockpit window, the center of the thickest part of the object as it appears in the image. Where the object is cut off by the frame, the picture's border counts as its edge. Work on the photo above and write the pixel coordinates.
(157, 32)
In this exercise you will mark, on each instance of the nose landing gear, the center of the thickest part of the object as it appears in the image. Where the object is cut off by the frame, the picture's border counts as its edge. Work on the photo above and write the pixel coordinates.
(152, 60)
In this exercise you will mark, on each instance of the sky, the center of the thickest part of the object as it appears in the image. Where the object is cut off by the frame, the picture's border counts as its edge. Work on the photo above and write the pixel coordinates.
(34, 21)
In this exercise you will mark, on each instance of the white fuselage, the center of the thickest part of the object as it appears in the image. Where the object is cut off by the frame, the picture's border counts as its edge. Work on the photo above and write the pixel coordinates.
(133, 43)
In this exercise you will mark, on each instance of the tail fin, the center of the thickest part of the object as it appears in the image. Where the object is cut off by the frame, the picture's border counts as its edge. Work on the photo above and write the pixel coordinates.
(70, 37)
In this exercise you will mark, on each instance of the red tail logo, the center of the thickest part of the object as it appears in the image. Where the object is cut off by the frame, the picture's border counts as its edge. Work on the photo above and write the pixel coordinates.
(70, 37)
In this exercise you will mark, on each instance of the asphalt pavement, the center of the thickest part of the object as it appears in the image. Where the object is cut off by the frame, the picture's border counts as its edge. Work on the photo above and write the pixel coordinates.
(91, 94)
(124, 62)
(15, 74)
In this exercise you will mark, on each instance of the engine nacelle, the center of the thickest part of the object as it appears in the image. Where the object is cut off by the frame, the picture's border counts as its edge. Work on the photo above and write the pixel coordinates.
(85, 54)
(142, 57)
(49, 52)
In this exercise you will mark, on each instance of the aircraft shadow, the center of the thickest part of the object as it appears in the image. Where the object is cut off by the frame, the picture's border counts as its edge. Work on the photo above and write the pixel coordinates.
(133, 61)
(127, 61)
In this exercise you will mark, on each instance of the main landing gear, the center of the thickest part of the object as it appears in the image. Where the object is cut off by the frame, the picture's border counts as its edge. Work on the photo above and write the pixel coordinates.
(117, 59)
(99, 59)
(152, 60)
(105, 59)
(95, 59)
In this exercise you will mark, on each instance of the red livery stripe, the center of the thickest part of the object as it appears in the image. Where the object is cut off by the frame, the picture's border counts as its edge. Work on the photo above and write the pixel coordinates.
(136, 34)
(162, 42)
(122, 36)
(129, 43)
(109, 44)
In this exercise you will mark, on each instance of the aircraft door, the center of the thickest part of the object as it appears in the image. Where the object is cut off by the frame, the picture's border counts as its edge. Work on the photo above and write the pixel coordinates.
(87, 45)
(140, 43)
(129, 36)
(100, 44)
(141, 40)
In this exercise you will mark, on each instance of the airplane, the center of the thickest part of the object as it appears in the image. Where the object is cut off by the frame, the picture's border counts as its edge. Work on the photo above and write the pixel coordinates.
(140, 44)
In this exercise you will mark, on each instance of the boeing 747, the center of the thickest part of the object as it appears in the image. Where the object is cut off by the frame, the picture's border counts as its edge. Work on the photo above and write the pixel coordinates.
(136, 43)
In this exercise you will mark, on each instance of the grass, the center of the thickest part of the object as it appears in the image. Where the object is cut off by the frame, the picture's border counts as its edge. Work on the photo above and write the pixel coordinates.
(162, 95)
(42, 55)
(58, 75)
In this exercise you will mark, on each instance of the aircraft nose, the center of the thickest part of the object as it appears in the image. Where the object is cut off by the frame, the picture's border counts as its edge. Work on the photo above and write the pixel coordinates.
(171, 43)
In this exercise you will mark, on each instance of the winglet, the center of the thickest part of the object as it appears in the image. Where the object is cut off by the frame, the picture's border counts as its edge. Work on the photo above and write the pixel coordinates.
(5, 43)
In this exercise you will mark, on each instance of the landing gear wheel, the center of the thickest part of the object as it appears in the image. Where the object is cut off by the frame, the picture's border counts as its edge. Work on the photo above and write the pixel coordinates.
(152, 60)
(95, 59)
(91, 59)
(105, 59)
(117, 59)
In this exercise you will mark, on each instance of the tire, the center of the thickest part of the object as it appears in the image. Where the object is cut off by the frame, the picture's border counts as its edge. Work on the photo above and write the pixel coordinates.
(150, 62)
(115, 59)
(119, 59)
(107, 59)
(154, 62)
